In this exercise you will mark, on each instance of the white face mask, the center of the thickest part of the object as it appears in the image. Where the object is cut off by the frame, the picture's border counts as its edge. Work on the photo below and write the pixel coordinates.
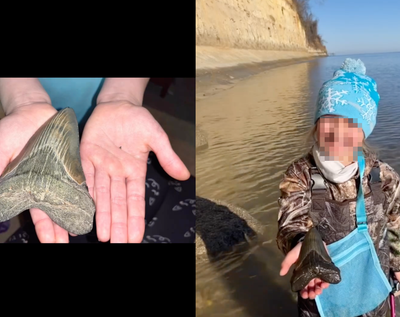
(334, 171)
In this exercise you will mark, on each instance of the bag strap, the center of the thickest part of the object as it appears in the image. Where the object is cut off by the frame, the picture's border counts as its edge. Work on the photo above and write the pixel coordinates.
(317, 181)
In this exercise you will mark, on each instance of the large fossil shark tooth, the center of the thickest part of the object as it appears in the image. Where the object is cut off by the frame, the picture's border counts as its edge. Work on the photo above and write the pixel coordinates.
(48, 175)
(313, 262)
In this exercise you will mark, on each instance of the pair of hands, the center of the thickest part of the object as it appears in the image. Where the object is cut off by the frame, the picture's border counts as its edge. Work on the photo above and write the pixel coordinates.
(115, 178)
(316, 286)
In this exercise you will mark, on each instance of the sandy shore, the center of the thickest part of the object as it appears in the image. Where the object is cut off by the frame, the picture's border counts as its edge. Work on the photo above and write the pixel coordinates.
(219, 69)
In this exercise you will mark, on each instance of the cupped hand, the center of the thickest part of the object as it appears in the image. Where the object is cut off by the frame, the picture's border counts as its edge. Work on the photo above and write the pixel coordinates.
(15, 131)
(114, 148)
(315, 286)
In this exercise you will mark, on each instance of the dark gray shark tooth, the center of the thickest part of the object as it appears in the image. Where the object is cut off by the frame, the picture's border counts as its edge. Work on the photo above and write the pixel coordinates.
(48, 175)
(313, 262)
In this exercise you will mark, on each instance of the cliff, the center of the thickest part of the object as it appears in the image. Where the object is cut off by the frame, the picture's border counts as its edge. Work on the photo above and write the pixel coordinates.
(272, 25)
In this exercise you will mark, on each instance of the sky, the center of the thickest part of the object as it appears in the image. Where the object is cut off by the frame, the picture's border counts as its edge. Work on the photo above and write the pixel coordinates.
(358, 26)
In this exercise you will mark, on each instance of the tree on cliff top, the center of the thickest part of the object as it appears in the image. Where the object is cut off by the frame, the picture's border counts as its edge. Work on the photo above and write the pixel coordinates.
(309, 23)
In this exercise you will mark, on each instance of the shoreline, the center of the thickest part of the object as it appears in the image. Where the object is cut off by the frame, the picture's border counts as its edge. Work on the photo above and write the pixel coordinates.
(219, 69)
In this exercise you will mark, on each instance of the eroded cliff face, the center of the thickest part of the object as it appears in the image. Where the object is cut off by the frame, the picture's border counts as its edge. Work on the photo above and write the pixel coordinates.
(251, 24)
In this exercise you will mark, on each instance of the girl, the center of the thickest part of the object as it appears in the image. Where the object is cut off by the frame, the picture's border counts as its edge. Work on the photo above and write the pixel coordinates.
(359, 224)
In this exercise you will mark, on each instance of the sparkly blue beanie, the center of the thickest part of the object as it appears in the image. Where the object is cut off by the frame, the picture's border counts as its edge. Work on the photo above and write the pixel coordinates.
(350, 94)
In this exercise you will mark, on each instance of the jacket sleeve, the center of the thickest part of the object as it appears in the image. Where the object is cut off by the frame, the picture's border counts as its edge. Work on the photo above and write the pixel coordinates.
(391, 188)
(294, 205)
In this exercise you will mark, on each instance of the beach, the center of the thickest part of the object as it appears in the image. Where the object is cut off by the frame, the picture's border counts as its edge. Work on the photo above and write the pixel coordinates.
(218, 69)
(255, 130)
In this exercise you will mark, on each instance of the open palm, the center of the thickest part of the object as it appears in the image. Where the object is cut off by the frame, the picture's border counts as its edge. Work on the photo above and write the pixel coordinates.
(114, 149)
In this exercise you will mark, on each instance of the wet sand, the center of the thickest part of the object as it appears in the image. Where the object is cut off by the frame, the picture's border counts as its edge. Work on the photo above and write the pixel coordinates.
(243, 281)
(219, 69)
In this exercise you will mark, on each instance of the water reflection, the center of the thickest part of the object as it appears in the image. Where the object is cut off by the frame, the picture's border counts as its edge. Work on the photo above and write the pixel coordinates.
(240, 279)
(255, 130)
(243, 285)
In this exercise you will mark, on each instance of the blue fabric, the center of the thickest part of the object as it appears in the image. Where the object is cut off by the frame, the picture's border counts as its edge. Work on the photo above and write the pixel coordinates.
(79, 94)
(350, 94)
(364, 285)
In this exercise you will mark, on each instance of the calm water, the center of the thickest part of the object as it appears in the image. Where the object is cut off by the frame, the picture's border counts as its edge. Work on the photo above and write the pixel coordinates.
(257, 128)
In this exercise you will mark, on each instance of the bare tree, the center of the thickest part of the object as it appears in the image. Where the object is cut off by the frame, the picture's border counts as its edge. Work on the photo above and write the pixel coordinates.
(310, 24)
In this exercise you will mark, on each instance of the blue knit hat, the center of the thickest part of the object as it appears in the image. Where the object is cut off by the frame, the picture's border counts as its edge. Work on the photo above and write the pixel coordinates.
(350, 94)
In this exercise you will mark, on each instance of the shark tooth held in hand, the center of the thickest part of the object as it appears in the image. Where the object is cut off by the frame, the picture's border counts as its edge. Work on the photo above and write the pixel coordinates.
(313, 262)
(48, 175)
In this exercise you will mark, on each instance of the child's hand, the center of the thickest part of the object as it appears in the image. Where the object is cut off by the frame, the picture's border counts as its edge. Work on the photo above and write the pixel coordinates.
(315, 286)
(313, 289)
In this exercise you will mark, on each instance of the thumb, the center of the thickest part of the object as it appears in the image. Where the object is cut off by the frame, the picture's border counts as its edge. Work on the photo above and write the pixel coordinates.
(167, 157)
(3, 164)
(6, 155)
(5, 159)
(290, 258)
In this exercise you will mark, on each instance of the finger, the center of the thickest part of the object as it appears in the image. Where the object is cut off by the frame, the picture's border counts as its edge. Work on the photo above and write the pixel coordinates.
(3, 162)
(119, 223)
(285, 266)
(103, 212)
(167, 157)
(318, 289)
(311, 289)
(7, 153)
(61, 235)
(318, 282)
(304, 293)
(311, 294)
(43, 226)
(88, 170)
(324, 285)
(288, 261)
(136, 209)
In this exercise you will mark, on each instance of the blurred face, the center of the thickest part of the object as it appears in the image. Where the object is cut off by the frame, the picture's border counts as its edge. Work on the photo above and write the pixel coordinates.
(339, 139)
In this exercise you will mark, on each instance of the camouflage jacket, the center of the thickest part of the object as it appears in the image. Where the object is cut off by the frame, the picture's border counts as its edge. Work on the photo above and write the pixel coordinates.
(295, 203)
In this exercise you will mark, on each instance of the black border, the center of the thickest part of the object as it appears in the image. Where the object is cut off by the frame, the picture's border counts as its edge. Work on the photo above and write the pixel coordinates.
(141, 39)
(133, 279)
